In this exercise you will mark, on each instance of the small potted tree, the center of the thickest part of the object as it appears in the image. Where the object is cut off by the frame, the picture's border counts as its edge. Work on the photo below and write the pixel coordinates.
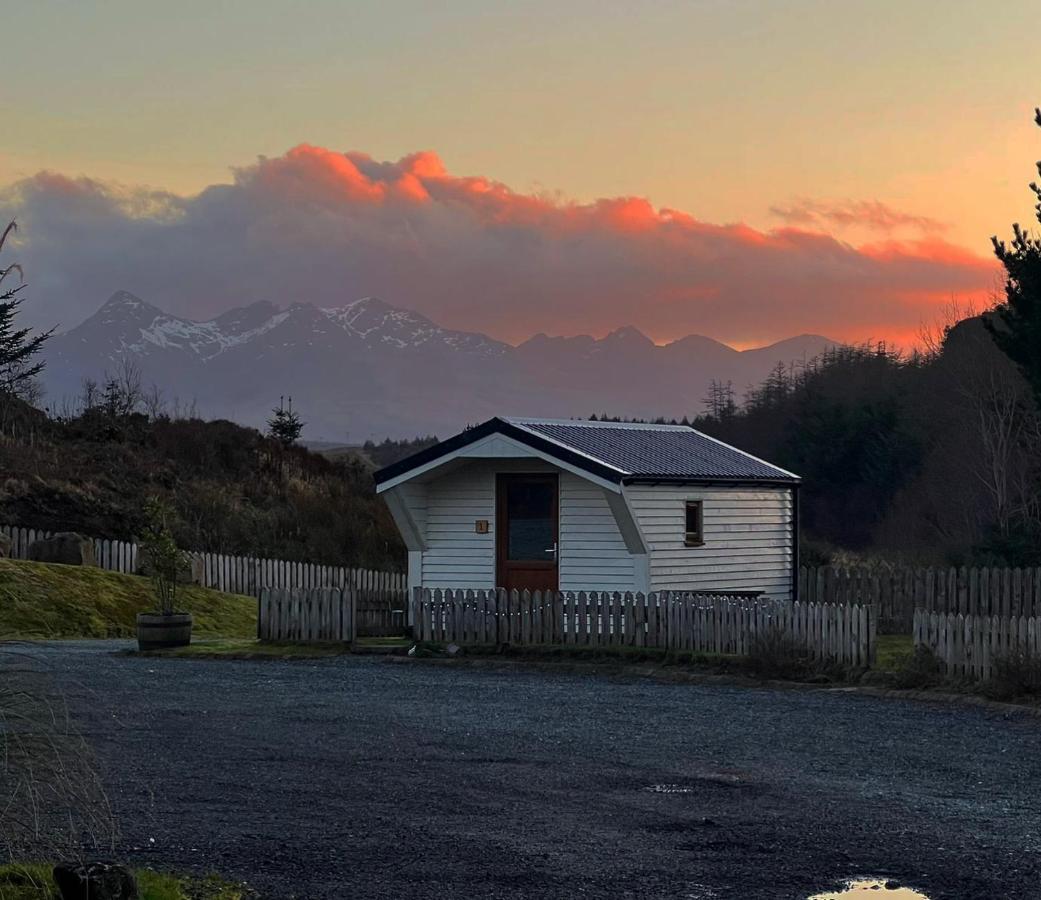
(165, 627)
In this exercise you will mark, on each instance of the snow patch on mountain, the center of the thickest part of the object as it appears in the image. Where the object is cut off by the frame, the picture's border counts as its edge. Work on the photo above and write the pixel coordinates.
(204, 339)
(375, 321)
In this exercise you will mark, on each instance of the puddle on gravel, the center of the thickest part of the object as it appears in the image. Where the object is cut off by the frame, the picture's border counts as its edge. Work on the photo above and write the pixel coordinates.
(727, 779)
(669, 789)
(862, 890)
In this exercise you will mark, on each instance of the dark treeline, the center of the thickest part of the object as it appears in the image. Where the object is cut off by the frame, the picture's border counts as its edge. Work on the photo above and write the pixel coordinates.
(390, 451)
(232, 489)
(931, 457)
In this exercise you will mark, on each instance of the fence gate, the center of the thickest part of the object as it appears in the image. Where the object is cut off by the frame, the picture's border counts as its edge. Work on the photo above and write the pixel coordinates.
(320, 615)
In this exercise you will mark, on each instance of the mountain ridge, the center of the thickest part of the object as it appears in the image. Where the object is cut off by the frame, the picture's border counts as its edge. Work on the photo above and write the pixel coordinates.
(371, 369)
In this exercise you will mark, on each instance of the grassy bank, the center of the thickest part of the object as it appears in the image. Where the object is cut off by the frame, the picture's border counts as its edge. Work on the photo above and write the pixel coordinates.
(40, 600)
(33, 881)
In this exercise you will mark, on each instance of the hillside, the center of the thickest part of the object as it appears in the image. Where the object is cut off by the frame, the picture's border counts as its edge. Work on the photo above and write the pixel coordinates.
(38, 600)
(368, 369)
(233, 490)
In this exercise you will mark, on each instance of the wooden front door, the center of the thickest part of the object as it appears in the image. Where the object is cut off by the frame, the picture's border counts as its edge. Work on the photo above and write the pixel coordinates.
(526, 534)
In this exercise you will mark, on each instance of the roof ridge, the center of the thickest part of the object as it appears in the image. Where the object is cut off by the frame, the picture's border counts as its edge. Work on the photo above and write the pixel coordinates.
(590, 423)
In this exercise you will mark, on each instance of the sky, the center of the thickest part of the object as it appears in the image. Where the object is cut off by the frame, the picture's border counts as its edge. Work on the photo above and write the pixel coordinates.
(746, 170)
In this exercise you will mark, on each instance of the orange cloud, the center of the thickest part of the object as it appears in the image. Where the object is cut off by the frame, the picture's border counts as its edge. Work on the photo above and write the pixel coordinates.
(326, 227)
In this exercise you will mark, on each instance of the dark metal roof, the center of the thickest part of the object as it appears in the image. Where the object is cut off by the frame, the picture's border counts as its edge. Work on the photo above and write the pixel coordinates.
(619, 452)
(665, 452)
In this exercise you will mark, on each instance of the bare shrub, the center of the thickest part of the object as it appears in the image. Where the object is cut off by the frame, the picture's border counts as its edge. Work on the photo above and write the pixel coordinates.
(1014, 674)
(52, 804)
(775, 654)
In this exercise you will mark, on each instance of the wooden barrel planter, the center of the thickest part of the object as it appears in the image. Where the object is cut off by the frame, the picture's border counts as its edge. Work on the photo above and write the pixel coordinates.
(156, 631)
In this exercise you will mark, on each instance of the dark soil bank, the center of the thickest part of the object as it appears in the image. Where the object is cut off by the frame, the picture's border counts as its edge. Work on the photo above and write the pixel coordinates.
(354, 777)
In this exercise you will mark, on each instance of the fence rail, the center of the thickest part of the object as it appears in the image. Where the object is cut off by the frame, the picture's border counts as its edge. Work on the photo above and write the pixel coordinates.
(679, 622)
(967, 646)
(239, 574)
(897, 592)
(307, 616)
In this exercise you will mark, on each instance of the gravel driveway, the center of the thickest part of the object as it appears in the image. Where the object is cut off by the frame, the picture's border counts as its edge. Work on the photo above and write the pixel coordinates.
(361, 777)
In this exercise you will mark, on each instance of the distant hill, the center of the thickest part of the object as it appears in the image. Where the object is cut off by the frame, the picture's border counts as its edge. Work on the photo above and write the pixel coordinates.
(371, 370)
(232, 490)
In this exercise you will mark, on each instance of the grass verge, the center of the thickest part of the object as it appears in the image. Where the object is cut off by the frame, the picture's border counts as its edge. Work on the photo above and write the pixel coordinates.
(43, 600)
(240, 648)
(33, 881)
(760, 666)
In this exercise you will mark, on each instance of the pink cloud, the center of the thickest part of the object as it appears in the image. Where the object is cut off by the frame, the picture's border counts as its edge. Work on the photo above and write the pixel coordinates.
(321, 226)
(868, 214)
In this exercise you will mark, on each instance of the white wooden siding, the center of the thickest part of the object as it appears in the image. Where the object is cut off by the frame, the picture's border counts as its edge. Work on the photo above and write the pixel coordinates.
(415, 497)
(748, 538)
(456, 556)
(593, 555)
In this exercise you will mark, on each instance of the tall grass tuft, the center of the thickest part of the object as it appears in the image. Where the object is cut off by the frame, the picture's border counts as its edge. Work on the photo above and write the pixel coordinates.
(52, 804)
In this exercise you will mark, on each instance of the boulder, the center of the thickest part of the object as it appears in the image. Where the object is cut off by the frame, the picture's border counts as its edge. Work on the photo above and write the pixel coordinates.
(5, 546)
(66, 547)
(95, 881)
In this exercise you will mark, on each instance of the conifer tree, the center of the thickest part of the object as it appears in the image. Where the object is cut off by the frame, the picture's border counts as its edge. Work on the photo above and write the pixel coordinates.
(18, 346)
(1016, 323)
(285, 425)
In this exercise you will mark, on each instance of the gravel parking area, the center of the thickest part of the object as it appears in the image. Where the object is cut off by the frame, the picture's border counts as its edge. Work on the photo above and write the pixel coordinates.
(362, 777)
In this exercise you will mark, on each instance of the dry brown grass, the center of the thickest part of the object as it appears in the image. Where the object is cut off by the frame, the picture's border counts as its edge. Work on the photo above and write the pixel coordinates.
(52, 804)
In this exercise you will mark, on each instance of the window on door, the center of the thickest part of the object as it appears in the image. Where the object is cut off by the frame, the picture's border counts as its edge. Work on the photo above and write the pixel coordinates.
(695, 531)
(531, 526)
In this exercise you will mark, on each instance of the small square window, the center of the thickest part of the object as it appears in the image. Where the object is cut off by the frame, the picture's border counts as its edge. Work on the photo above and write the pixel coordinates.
(695, 531)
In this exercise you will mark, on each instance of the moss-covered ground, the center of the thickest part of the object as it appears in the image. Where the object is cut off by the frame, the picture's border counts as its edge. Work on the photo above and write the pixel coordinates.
(43, 600)
(33, 881)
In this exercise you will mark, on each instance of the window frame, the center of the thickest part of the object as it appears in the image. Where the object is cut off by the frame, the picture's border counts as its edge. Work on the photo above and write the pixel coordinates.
(694, 538)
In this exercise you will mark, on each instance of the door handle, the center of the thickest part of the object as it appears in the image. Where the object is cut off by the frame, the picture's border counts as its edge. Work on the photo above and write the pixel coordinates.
(552, 550)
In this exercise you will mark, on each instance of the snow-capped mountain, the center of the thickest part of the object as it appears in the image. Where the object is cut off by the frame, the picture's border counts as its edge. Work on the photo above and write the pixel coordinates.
(369, 369)
(126, 324)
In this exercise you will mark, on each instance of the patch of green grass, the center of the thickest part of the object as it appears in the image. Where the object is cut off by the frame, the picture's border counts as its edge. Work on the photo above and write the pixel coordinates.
(44, 600)
(27, 881)
(397, 641)
(239, 648)
(893, 651)
(34, 881)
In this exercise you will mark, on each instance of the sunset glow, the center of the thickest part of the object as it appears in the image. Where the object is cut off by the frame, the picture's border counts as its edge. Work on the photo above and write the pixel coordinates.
(515, 170)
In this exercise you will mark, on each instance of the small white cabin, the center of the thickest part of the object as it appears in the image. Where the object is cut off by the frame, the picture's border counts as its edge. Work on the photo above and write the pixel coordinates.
(576, 505)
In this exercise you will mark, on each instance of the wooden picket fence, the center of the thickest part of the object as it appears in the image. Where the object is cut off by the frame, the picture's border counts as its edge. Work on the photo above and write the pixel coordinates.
(966, 646)
(116, 556)
(319, 615)
(381, 613)
(246, 574)
(680, 622)
(250, 575)
(897, 592)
